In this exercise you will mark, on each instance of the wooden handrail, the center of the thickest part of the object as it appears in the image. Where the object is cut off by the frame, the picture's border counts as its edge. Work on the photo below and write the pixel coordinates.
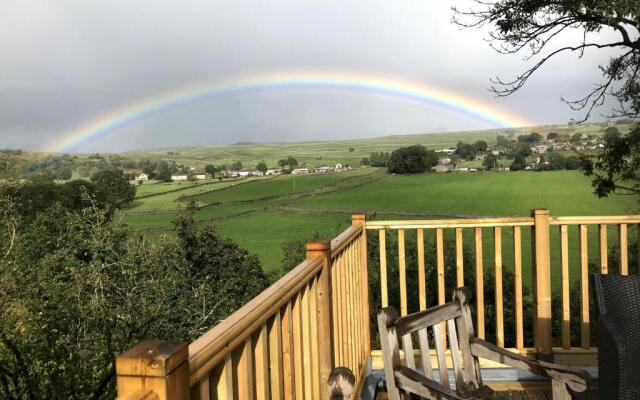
(212, 347)
(450, 223)
(344, 239)
(595, 220)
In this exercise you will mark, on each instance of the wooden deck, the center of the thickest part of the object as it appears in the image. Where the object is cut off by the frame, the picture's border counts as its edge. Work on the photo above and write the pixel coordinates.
(517, 395)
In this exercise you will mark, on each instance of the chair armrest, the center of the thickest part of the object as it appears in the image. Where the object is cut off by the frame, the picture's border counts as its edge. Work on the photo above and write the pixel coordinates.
(575, 378)
(413, 382)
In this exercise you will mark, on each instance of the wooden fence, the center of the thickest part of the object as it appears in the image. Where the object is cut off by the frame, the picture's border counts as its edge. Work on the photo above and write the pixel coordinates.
(284, 343)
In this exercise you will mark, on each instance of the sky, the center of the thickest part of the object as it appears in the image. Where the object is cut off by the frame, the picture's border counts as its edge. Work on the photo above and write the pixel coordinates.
(66, 64)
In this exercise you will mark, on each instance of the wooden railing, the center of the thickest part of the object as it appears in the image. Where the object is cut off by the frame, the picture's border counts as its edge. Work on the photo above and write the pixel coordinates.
(283, 344)
(550, 252)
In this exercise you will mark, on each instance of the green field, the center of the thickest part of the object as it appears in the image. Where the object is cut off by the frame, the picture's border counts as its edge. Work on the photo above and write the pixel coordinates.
(262, 214)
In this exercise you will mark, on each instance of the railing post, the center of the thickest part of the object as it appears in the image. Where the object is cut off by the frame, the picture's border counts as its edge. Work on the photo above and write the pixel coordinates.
(361, 219)
(154, 368)
(325, 341)
(541, 283)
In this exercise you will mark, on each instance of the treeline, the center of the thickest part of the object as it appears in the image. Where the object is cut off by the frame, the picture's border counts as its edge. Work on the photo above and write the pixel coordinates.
(78, 288)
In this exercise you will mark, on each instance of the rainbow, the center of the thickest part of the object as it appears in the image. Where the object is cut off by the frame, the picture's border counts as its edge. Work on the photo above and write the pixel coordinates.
(117, 119)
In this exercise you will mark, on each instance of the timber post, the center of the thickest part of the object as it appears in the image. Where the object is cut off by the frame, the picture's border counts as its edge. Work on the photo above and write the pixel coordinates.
(325, 341)
(158, 369)
(361, 219)
(540, 253)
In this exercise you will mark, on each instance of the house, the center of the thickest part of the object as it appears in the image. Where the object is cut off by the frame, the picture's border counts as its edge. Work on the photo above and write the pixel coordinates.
(200, 177)
(322, 169)
(142, 177)
(300, 171)
(445, 161)
(480, 157)
(250, 172)
(540, 148)
(462, 169)
(338, 167)
(179, 177)
(447, 152)
(274, 171)
(442, 168)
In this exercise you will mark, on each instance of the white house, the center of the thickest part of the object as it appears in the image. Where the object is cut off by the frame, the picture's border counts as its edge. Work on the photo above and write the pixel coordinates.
(179, 177)
(142, 177)
(200, 177)
(338, 167)
(274, 171)
(446, 151)
(441, 168)
(250, 172)
(445, 161)
(300, 171)
(322, 169)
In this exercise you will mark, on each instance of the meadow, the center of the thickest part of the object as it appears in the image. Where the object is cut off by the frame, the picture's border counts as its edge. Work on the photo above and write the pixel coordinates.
(263, 214)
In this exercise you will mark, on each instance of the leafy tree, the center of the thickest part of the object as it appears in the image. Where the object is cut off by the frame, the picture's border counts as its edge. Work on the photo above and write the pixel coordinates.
(519, 163)
(351, 149)
(113, 187)
(74, 286)
(534, 27)
(465, 151)
(282, 163)
(490, 161)
(411, 160)
(236, 166)
(210, 169)
(573, 163)
(164, 172)
(552, 136)
(262, 167)
(379, 159)
(365, 161)
(292, 162)
(503, 141)
(480, 146)
(557, 161)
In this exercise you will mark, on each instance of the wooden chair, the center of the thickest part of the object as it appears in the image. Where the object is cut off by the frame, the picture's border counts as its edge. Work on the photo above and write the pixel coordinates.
(403, 380)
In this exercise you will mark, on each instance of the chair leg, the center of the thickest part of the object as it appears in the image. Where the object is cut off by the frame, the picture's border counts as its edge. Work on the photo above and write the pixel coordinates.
(560, 391)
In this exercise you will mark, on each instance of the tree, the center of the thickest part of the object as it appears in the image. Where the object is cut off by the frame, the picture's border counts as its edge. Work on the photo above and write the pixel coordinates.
(557, 161)
(411, 160)
(210, 169)
(534, 26)
(465, 151)
(379, 159)
(236, 166)
(573, 163)
(351, 149)
(262, 167)
(282, 163)
(112, 187)
(364, 162)
(74, 287)
(292, 163)
(519, 163)
(552, 136)
(480, 146)
(490, 162)
(164, 172)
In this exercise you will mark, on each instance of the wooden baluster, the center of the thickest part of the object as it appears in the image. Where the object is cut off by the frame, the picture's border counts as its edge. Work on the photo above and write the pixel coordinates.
(360, 219)
(584, 288)
(383, 268)
(276, 382)
(156, 366)
(288, 353)
(440, 267)
(402, 269)
(245, 384)
(350, 306)
(261, 351)
(604, 265)
(222, 380)
(566, 300)
(497, 245)
(422, 278)
(298, 348)
(517, 271)
(305, 311)
(479, 284)
(313, 327)
(423, 339)
(459, 258)
(622, 242)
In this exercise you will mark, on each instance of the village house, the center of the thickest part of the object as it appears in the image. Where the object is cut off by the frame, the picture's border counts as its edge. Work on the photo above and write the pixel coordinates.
(442, 168)
(339, 167)
(181, 177)
(540, 148)
(250, 172)
(322, 169)
(445, 161)
(200, 177)
(447, 151)
(273, 171)
(142, 177)
(300, 171)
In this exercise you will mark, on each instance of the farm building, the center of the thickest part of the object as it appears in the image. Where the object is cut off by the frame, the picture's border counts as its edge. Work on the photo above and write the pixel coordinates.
(180, 177)
(300, 171)
(274, 171)
(142, 177)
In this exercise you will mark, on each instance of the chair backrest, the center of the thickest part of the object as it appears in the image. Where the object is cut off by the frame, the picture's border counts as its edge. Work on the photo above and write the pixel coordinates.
(452, 320)
(618, 299)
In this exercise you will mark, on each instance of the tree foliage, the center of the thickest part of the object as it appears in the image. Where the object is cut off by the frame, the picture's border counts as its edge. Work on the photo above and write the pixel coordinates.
(412, 160)
(534, 27)
(78, 288)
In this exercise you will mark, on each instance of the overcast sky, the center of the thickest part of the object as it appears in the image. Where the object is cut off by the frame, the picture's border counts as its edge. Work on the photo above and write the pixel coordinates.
(65, 63)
